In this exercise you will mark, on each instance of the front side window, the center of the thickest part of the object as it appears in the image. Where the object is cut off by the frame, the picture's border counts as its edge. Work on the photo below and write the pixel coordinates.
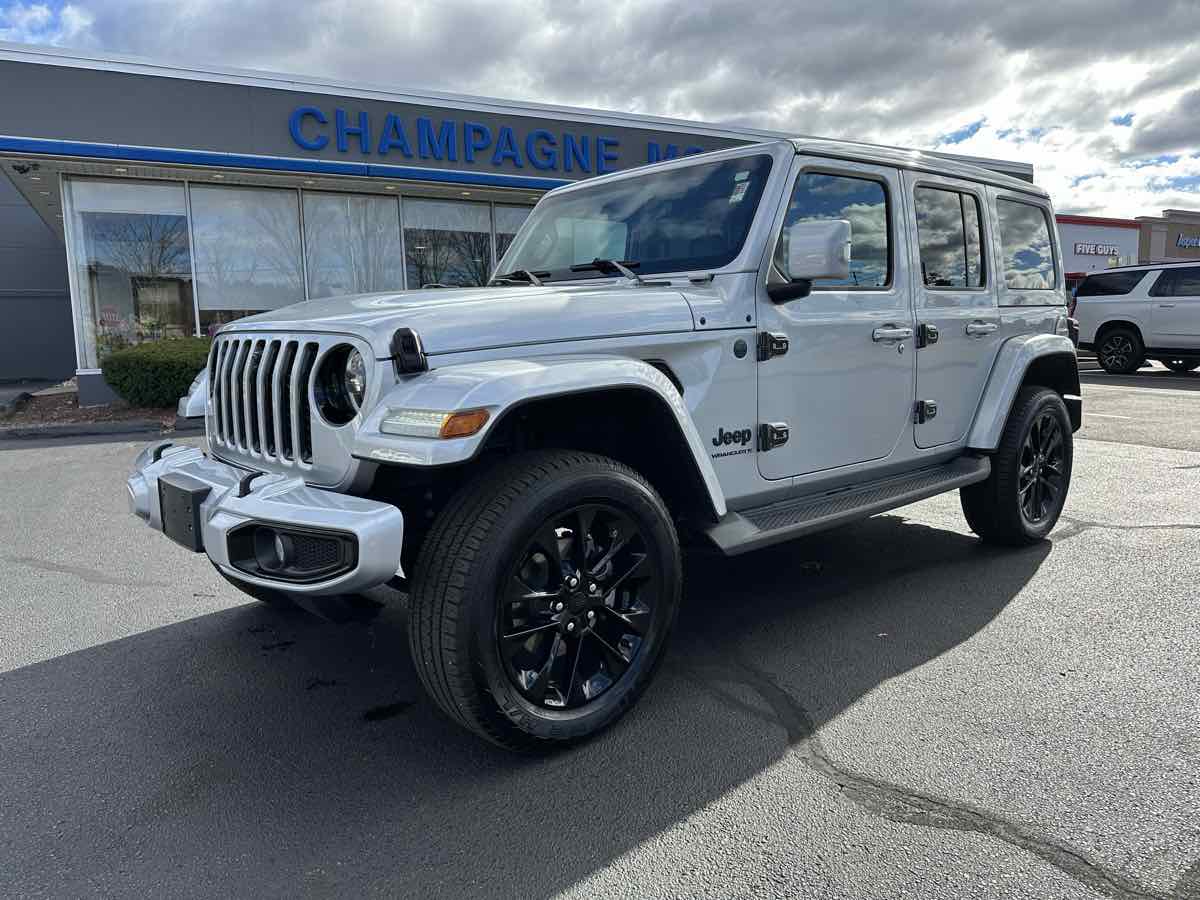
(686, 219)
(861, 201)
(1177, 283)
(949, 238)
(1025, 243)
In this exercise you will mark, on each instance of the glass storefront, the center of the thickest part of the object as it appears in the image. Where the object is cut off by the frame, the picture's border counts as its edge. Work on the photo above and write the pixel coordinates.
(132, 266)
(165, 259)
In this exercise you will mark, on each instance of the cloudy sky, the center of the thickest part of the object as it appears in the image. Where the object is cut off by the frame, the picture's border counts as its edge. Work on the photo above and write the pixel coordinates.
(1102, 97)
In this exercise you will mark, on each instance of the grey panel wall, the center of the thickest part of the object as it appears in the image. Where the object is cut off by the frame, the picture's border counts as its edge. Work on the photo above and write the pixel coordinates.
(36, 339)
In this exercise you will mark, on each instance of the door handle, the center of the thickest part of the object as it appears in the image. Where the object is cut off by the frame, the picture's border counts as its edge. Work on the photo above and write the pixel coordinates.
(891, 333)
(981, 328)
(1166, 306)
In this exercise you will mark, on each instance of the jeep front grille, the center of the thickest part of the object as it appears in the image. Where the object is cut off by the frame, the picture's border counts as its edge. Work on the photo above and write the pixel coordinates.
(258, 395)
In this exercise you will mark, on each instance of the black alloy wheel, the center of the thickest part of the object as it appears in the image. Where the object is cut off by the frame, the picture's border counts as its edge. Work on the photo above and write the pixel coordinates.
(1040, 478)
(576, 606)
(1120, 352)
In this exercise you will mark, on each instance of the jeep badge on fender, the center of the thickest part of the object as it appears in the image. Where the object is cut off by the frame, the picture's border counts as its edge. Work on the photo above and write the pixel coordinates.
(521, 457)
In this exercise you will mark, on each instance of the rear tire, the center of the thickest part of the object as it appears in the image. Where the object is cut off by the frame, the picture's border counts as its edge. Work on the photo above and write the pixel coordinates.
(502, 639)
(1120, 351)
(1181, 365)
(1020, 502)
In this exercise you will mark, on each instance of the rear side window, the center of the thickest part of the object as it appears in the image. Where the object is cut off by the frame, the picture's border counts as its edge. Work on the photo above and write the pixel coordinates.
(1025, 243)
(949, 238)
(861, 201)
(1109, 284)
(1177, 283)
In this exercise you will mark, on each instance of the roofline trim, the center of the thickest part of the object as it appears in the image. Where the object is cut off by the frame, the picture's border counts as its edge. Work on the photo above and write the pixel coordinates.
(36, 54)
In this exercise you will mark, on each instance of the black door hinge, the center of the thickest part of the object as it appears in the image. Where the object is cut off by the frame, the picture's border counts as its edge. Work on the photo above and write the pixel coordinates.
(924, 410)
(771, 343)
(927, 334)
(772, 435)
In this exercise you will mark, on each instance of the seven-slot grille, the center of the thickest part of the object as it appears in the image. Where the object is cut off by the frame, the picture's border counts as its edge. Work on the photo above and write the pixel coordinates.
(258, 397)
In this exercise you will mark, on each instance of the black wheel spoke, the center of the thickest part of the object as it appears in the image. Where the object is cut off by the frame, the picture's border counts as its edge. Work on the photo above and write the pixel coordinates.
(565, 641)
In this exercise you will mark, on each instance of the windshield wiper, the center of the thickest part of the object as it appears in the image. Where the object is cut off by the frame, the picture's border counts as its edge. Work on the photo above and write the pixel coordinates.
(610, 267)
(517, 275)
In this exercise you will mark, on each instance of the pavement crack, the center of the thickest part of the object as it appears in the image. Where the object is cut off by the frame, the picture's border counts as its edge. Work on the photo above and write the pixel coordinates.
(92, 576)
(900, 804)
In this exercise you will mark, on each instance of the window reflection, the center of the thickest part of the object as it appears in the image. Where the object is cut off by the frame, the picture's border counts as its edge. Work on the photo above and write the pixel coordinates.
(447, 243)
(352, 244)
(508, 220)
(949, 238)
(858, 200)
(133, 264)
(1025, 241)
(247, 246)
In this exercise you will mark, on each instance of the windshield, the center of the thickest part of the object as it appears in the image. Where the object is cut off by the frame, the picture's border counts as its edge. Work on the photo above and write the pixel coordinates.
(694, 217)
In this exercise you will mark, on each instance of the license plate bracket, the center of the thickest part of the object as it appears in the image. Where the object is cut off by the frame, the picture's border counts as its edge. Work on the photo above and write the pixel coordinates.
(179, 499)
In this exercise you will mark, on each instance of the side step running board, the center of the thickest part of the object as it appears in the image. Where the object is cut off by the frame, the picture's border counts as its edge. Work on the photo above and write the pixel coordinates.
(738, 532)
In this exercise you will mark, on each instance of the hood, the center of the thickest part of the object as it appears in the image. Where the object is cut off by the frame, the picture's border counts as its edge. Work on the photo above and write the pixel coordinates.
(452, 320)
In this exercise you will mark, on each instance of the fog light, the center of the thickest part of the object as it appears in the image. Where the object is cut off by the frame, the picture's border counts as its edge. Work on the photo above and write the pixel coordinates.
(272, 550)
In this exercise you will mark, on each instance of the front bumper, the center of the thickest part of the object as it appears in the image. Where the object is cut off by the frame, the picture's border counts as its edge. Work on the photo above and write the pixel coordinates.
(272, 500)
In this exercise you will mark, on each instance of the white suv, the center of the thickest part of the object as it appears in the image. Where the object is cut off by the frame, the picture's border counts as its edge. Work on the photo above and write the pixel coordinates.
(1135, 313)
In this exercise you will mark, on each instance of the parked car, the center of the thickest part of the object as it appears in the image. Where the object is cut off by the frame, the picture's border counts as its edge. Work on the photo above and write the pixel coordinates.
(1130, 314)
(736, 348)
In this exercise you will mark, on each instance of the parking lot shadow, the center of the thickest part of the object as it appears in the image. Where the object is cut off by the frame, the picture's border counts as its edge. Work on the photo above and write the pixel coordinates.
(254, 752)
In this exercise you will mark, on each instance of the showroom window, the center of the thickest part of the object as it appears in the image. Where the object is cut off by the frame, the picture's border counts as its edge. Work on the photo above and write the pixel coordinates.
(508, 220)
(132, 264)
(248, 251)
(447, 243)
(1025, 241)
(352, 244)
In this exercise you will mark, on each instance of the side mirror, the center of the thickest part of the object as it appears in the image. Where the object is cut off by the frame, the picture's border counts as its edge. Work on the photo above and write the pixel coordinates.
(815, 250)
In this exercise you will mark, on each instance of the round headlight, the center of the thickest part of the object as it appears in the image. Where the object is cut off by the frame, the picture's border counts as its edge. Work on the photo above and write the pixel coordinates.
(355, 378)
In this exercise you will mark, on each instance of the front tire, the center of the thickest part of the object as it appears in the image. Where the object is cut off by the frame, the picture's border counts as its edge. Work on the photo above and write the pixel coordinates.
(543, 598)
(1121, 351)
(1020, 502)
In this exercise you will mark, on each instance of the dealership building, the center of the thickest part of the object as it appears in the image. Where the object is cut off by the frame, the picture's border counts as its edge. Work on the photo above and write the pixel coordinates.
(140, 201)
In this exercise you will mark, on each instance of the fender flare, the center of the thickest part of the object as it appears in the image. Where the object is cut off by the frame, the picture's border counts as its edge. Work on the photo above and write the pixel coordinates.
(1008, 373)
(502, 385)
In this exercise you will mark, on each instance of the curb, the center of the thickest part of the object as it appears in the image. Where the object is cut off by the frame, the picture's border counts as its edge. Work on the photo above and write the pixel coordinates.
(91, 429)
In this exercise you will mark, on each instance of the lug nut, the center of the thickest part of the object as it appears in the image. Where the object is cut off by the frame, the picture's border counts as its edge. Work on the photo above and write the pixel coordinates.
(591, 614)
(592, 587)
(558, 607)
(573, 581)
(570, 626)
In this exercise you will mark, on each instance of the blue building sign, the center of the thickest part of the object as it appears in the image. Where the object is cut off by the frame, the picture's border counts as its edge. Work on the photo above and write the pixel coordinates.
(393, 139)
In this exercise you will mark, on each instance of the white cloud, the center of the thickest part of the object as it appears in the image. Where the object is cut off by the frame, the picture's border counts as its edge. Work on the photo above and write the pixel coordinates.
(1043, 80)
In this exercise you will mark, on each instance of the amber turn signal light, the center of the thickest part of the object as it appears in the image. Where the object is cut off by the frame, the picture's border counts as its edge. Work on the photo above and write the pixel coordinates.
(464, 424)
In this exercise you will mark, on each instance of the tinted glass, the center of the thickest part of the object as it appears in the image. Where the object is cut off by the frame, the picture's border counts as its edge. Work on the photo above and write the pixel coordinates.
(949, 243)
(447, 242)
(1109, 284)
(352, 244)
(860, 201)
(1178, 283)
(691, 218)
(1025, 243)
(248, 256)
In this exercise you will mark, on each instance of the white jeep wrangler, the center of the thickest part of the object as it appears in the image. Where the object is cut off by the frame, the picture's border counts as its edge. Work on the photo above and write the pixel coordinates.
(737, 348)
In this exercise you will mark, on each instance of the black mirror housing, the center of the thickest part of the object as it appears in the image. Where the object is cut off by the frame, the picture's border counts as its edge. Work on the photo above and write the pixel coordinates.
(791, 290)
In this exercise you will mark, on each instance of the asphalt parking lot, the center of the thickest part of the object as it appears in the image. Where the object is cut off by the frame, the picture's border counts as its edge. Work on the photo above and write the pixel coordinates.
(886, 710)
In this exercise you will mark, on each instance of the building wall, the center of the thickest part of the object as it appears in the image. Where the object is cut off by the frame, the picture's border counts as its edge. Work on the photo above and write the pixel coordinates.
(1086, 245)
(36, 335)
(1175, 237)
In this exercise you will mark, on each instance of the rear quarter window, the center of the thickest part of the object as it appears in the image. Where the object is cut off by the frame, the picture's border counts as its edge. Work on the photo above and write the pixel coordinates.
(1025, 243)
(1109, 284)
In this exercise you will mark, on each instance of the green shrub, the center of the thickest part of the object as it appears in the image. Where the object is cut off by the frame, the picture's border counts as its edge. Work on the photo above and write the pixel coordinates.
(156, 373)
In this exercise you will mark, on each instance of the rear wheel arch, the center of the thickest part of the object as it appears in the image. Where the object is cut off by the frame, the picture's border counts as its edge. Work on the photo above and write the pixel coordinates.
(1119, 323)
